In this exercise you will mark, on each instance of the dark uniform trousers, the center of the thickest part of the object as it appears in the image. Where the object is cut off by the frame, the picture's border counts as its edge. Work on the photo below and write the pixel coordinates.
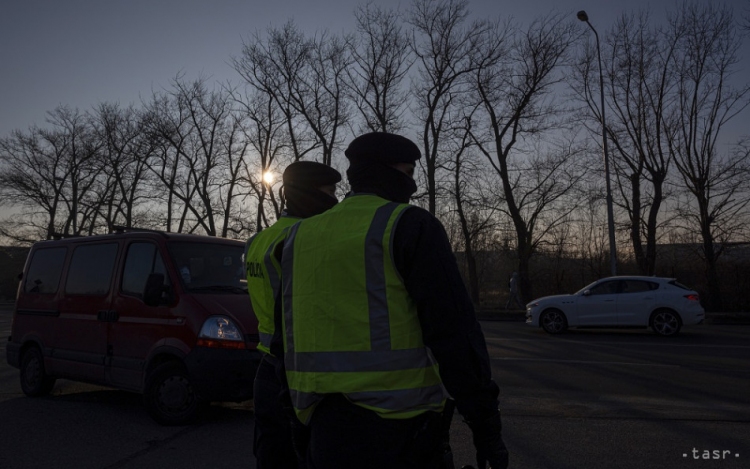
(344, 435)
(273, 445)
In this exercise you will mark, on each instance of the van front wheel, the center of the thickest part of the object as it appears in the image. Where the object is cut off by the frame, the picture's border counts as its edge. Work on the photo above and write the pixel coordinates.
(34, 379)
(169, 395)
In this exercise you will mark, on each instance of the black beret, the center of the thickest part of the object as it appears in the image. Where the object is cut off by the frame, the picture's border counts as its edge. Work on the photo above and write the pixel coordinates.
(383, 147)
(310, 174)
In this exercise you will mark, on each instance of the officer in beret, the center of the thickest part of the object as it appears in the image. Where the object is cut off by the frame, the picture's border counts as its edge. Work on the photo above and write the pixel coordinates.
(309, 189)
(373, 302)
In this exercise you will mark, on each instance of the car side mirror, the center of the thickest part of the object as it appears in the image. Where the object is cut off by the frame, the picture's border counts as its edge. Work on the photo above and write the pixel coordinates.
(586, 292)
(154, 288)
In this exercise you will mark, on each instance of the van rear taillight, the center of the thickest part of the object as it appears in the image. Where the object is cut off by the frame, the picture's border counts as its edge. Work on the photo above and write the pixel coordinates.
(692, 297)
(226, 344)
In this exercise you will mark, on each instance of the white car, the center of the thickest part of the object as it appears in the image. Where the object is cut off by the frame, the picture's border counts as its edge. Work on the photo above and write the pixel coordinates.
(663, 304)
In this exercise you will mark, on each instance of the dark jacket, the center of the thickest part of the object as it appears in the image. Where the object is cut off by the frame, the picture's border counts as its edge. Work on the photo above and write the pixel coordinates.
(425, 260)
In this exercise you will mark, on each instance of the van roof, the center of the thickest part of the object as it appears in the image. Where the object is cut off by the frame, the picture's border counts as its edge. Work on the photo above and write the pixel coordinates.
(140, 234)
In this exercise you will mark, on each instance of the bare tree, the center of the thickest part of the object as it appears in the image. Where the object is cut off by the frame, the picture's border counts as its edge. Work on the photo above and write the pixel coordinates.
(166, 122)
(56, 169)
(443, 45)
(280, 66)
(476, 216)
(236, 149)
(708, 45)
(213, 156)
(322, 97)
(83, 167)
(265, 131)
(590, 223)
(514, 91)
(381, 62)
(637, 70)
(32, 178)
(198, 155)
(203, 158)
(125, 152)
(271, 66)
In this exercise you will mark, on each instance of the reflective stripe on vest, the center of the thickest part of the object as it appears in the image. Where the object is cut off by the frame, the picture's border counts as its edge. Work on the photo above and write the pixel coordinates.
(349, 323)
(263, 279)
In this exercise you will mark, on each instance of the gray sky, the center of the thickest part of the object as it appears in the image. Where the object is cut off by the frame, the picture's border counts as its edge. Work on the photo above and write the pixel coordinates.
(84, 52)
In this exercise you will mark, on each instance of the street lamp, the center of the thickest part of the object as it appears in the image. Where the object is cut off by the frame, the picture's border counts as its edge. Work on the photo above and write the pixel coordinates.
(610, 212)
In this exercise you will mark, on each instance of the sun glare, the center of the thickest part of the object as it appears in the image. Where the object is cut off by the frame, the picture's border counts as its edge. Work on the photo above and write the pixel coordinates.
(268, 177)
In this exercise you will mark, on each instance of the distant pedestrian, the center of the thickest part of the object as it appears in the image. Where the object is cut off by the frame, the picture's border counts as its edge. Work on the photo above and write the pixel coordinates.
(513, 292)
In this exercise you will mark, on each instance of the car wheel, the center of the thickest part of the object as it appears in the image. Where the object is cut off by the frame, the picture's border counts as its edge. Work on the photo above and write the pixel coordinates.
(666, 322)
(169, 395)
(34, 379)
(554, 321)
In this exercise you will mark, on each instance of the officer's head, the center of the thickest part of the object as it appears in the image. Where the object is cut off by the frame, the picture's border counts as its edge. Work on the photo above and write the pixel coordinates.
(309, 188)
(383, 164)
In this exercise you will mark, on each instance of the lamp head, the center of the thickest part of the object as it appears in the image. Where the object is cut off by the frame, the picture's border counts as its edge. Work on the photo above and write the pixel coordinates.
(582, 16)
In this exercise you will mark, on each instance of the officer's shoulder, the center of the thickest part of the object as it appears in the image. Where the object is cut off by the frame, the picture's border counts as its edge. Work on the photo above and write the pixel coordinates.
(417, 211)
(418, 216)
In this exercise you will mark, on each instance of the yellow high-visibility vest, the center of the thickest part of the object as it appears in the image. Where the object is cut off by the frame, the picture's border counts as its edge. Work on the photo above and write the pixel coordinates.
(350, 326)
(263, 276)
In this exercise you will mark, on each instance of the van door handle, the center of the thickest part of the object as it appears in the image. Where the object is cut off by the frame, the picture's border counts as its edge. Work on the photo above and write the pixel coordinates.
(107, 315)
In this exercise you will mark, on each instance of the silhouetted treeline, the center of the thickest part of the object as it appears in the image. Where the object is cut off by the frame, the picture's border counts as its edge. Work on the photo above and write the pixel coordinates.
(508, 118)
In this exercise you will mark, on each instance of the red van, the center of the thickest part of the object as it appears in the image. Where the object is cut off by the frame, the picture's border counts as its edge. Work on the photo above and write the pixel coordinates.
(162, 314)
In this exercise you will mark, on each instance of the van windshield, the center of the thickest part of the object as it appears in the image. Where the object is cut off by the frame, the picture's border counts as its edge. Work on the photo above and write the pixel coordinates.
(209, 267)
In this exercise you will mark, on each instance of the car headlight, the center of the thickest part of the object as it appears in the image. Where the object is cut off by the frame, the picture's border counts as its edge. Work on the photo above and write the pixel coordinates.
(220, 332)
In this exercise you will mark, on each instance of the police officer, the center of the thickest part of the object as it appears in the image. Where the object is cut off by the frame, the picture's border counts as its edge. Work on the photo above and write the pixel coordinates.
(373, 302)
(309, 189)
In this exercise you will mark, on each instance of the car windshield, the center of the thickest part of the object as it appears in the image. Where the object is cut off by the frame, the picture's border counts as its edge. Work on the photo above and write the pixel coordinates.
(206, 267)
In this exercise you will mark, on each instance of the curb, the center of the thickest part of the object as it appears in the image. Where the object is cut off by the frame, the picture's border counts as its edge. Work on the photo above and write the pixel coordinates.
(501, 315)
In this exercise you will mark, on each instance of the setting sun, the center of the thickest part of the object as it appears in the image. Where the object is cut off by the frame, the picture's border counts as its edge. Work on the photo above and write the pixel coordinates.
(268, 177)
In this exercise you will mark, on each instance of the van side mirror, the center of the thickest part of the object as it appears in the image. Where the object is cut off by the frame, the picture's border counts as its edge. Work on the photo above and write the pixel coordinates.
(153, 290)
(586, 292)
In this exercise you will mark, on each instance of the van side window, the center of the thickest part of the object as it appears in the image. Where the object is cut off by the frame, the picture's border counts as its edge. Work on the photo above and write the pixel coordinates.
(91, 267)
(142, 260)
(44, 271)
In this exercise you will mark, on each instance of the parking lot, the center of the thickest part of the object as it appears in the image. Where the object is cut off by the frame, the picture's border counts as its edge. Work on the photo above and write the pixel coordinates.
(585, 399)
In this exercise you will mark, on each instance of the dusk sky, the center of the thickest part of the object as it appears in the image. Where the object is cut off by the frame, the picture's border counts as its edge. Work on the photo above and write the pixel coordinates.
(84, 52)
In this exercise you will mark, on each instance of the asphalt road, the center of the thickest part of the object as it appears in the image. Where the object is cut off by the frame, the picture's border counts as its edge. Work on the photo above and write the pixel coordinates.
(587, 399)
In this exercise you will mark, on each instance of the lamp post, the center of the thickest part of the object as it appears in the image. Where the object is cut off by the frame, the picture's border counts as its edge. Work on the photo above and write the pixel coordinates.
(610, 212)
